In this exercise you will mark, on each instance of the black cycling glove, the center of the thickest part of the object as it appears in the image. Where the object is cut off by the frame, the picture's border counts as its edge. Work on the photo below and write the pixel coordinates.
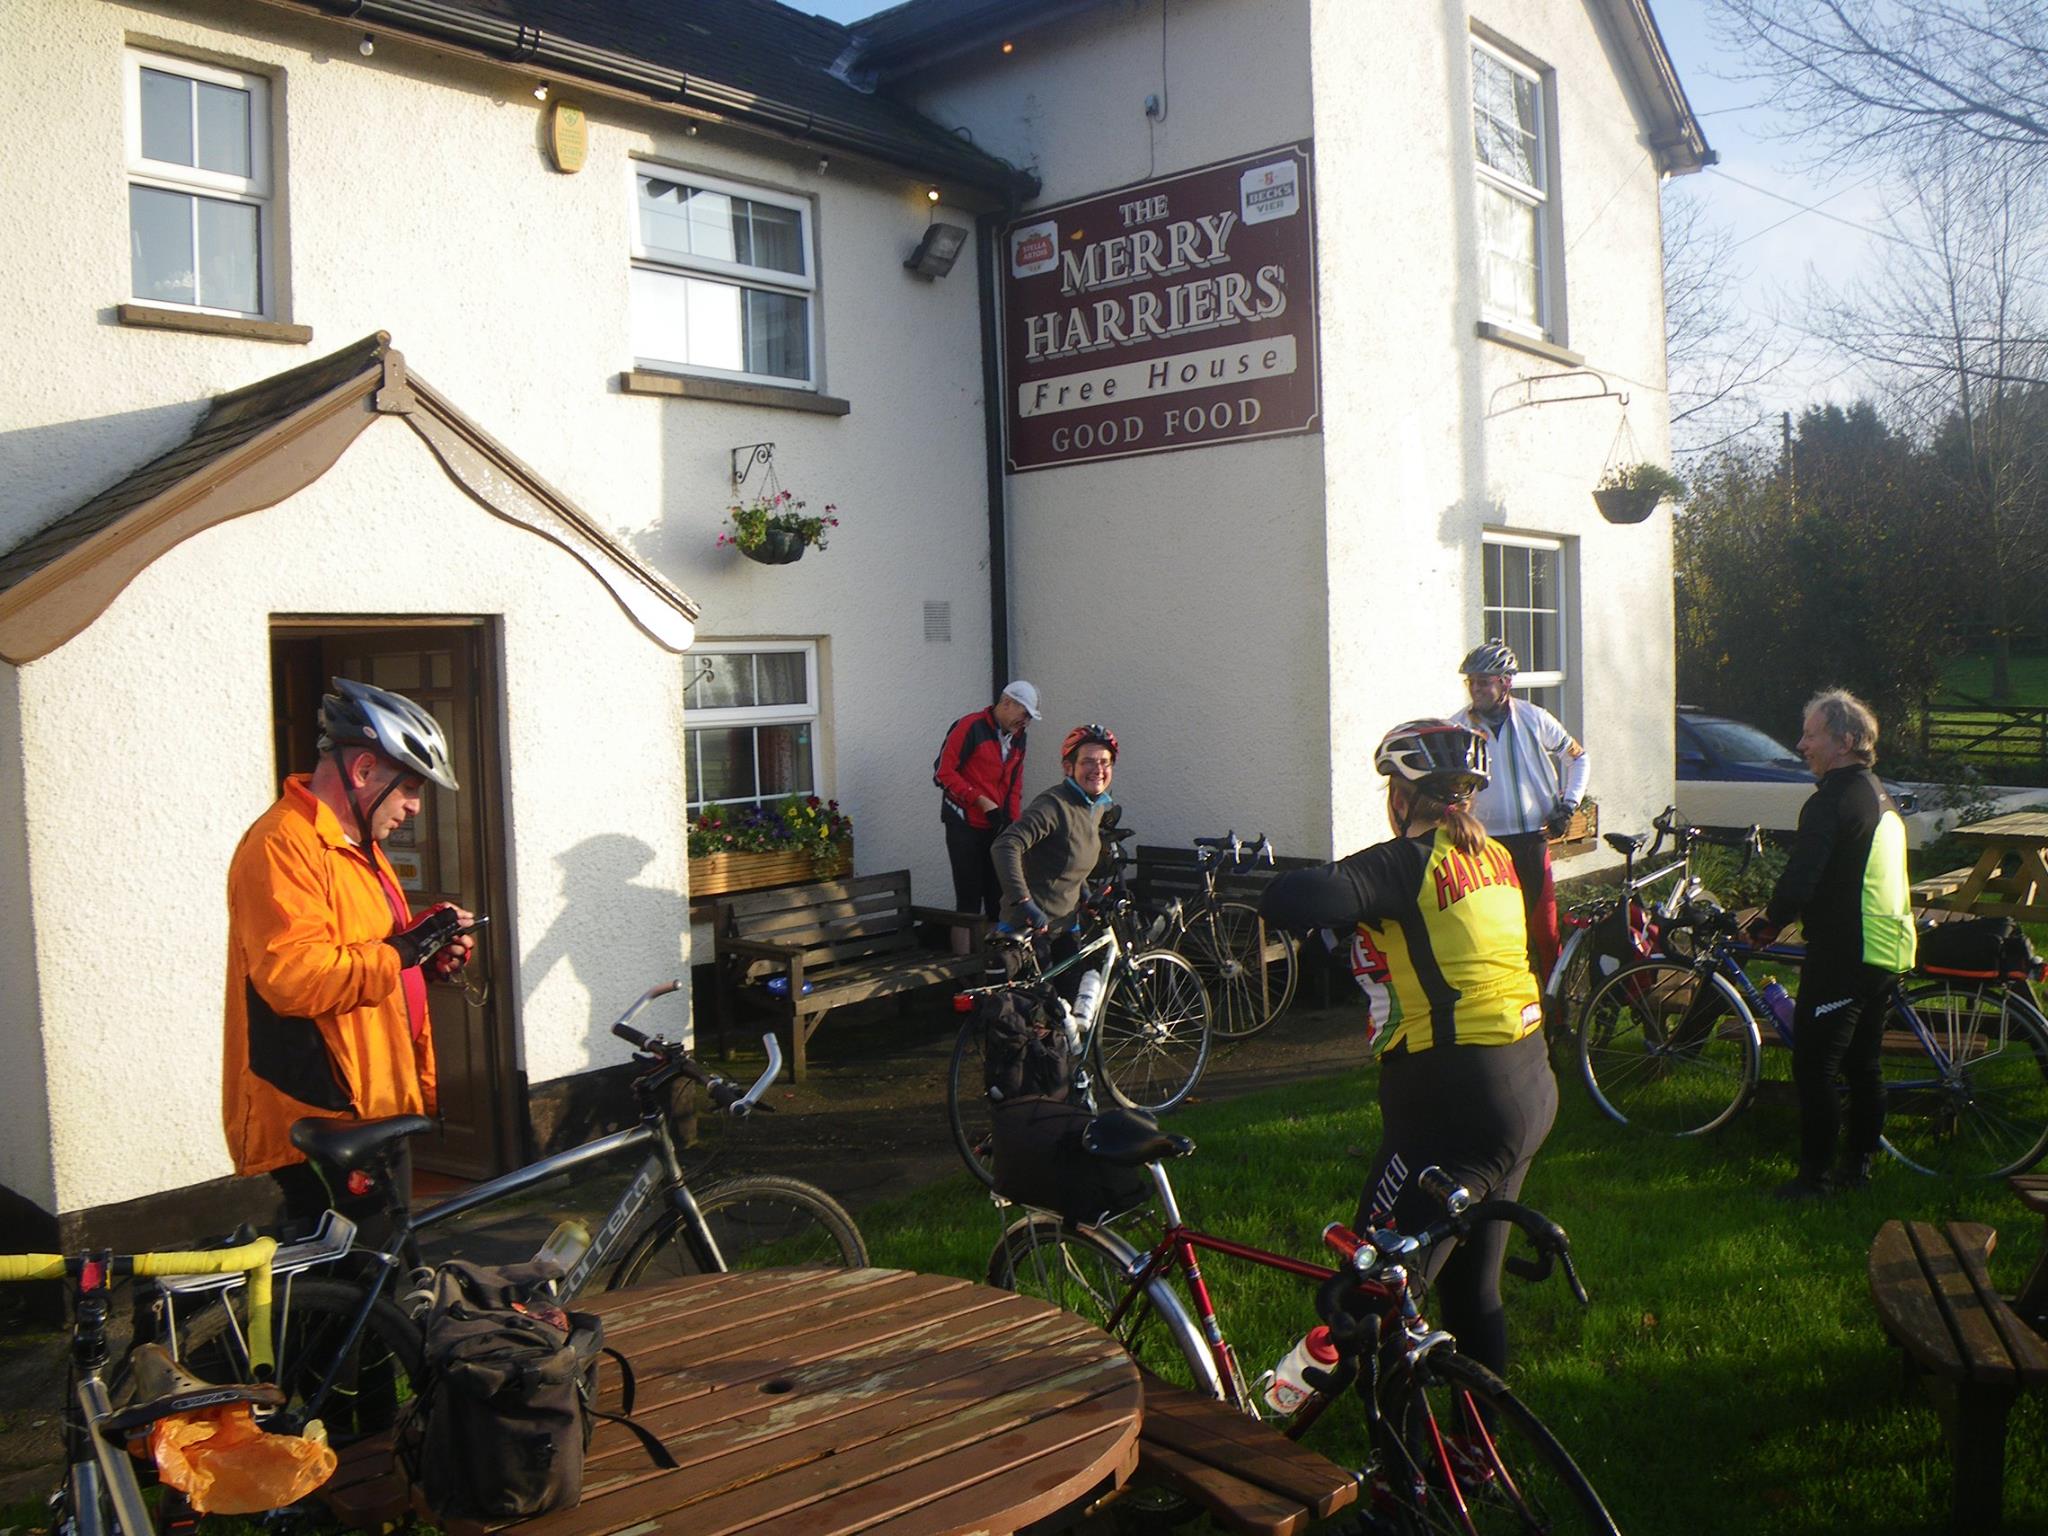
(429, 931)
(1559, 818)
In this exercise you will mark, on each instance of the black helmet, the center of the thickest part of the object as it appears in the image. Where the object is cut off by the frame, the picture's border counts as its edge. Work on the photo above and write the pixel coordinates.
(390, 725)
(1492, 659)
(1443, 759)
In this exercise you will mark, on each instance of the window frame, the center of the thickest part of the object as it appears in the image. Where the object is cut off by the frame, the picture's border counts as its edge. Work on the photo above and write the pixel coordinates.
(1537, 197)
(707, 717)
(1492, 619)
(257, 190)
(741, 275)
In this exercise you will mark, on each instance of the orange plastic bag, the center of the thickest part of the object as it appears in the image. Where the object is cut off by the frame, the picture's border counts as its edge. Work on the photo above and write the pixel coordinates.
(225, 1465)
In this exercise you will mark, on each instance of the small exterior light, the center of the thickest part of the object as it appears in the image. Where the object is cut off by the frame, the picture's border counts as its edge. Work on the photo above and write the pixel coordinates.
(690, 129)
(937, 251)
(1009, 47)
(540, 92)
(824, 164)
(931, 194)
(367, 46)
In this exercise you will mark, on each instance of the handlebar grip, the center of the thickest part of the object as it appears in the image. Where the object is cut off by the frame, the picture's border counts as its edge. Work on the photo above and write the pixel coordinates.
(631, 1036)
(1444, 1189)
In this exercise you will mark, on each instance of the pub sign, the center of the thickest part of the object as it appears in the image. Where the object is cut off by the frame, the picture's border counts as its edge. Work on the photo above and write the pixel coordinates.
(1177, 313)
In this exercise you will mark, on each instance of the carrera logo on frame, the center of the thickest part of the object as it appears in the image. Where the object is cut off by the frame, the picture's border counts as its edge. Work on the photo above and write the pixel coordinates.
(1175, 314)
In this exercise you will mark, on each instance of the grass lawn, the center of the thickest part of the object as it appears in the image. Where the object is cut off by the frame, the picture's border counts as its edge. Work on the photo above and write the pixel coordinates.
(1971, 675)
(1730, 1374)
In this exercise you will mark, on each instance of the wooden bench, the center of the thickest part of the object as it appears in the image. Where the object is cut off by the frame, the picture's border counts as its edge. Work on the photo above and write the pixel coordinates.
(1972, 1352)
(2032, 1301)
(835, 942)
(1250, 1477)
(1165, 874)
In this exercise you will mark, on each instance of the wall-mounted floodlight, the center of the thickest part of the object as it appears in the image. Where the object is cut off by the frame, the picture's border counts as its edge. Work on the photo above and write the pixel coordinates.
(937, 251)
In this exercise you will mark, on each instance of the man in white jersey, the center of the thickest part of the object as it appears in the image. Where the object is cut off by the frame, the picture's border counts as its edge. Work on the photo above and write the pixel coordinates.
(1539, 777)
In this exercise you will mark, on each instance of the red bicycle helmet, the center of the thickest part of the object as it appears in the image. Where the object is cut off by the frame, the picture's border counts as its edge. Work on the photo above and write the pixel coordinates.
(1443, 759)
(1081, 735)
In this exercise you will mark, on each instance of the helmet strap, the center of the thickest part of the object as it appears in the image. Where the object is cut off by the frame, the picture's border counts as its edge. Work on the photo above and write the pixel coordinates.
(355, 802)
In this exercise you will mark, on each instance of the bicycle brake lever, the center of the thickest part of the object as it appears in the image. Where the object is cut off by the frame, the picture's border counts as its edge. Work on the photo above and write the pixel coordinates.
(1571, 1275)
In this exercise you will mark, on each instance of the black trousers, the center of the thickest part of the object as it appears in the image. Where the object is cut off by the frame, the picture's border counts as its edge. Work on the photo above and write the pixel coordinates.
(306, 1198)
(1479, 1112)
(1838, 1031)
(974, 872)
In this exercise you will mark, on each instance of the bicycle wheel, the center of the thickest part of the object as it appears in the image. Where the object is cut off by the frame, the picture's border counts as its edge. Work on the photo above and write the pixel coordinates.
(1668, 1050)
(967, 1106)
(1248, 969)
(1565, 992)
(1087, 1272)
(1986, 1115)
(356, 1393)
(1152, 1040)
(1456, 1451)
(758, 1221)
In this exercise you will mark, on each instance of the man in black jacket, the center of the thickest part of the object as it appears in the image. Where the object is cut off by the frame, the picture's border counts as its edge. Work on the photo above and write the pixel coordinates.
(1848, 886)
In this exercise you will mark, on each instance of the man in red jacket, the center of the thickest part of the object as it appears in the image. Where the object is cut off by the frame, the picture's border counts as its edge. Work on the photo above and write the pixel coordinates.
(981, 770)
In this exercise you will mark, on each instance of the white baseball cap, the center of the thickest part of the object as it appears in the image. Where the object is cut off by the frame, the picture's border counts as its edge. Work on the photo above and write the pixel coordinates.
(1026, 695)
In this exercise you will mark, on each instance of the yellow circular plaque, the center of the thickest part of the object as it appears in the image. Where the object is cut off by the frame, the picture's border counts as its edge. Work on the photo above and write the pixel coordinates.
(568, 137)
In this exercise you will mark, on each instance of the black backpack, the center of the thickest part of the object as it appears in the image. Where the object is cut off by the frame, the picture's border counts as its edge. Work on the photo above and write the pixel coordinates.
(502, 1417)
(1980, 948)
(1024, 1051)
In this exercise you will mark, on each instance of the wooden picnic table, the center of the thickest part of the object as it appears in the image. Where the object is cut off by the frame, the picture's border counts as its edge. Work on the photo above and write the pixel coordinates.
(2032, 1300)
(827, 1402)
(1987, 891)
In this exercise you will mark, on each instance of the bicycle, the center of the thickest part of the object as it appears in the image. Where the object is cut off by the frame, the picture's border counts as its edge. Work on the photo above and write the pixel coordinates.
(348, 1350)
(102, 1490)
(1672, 1046)
(1452, 1447)
(1249, 970)
(1149, 1036)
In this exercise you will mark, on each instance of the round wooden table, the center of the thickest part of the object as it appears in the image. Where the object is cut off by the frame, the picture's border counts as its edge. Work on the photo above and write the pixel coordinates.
(834, 1401)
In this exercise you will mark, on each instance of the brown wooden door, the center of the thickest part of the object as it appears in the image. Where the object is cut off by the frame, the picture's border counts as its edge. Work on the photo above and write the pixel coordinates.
(451, 851)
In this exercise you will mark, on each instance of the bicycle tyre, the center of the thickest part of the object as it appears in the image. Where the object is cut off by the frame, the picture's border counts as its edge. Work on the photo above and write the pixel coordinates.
(1153, 1037)
(967, 1107)
(758, 1220)
(1452, 1434)
(1250, 971)
(1665, 1050)
(1085, 1271)
(310, 1318)
(1988, 1117)
(1565, 992)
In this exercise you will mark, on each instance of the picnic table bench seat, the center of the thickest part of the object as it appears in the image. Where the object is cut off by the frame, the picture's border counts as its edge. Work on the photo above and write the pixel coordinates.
(834, 942)
(1970, 1350)
(1249, 1476)
(2031, 1301)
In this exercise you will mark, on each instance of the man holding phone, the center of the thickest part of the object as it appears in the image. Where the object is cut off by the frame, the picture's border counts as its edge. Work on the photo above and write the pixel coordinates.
(327, 964)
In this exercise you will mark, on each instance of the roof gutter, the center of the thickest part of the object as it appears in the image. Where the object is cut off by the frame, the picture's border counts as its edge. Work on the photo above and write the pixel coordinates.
(1683, 148)
(462, 29)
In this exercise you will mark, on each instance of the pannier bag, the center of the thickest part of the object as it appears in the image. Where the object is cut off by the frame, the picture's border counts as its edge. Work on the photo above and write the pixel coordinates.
(502, 1417)
(1039, 1161)
(1980, 948)
(1024, 1051)
(1619, 938)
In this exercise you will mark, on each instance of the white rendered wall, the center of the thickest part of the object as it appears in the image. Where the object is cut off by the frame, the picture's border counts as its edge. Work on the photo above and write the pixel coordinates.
(419, 201)
(149, 755)
(1178, 598)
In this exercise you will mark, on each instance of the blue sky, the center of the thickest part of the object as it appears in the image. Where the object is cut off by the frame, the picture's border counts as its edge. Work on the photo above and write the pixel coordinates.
(1761, 193)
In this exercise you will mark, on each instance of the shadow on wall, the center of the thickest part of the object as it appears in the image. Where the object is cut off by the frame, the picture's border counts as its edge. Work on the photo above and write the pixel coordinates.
(50, 470)
(602, 901)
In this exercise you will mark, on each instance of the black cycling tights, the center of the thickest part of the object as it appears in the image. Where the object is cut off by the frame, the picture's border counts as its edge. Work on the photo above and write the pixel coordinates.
(1479, 1112)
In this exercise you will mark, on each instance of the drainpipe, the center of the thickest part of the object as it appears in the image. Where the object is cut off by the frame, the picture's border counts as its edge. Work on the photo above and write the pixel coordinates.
(987, 232)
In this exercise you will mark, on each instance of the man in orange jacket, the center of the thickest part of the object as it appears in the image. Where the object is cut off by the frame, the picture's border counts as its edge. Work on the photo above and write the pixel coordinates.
(326, 991)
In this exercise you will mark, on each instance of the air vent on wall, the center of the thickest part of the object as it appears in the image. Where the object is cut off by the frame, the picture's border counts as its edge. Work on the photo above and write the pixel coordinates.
(938, 623)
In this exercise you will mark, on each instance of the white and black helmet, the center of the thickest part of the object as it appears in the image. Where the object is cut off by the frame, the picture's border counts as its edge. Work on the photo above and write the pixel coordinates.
(1443, 759)
(390, 725)
(1491, 659)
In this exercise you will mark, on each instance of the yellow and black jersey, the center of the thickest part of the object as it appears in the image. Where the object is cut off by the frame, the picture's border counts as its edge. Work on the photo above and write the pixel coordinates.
(1439, 943)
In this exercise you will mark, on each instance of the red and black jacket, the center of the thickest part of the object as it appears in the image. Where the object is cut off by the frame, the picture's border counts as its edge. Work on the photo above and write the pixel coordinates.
(971, 765)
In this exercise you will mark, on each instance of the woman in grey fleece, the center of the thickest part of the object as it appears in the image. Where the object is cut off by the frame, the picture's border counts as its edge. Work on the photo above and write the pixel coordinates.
(1043, 858)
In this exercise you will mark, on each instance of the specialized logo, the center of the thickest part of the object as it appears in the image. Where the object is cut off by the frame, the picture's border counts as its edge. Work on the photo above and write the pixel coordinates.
(1458, 874)
(1388, 1190)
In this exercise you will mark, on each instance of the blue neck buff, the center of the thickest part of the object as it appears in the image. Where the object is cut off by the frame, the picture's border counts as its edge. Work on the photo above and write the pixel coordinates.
(1084, 797)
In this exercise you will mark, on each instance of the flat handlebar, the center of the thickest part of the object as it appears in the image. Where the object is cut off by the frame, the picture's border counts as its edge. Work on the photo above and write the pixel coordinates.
(725, 1094)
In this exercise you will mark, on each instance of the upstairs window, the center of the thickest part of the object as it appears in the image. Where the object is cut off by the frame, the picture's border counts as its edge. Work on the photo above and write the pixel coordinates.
(1511, 153)
(751, 725)
(199, 186)
(722, 279)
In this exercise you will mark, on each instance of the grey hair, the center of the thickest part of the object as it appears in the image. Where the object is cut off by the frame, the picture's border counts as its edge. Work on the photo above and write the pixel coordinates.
(1848, 719)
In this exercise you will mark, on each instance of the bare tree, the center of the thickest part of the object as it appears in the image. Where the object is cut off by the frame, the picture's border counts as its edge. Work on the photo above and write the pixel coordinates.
(1890, 77)
(1717, 356)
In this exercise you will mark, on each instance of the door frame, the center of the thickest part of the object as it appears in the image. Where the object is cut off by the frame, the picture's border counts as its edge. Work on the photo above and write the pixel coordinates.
(511, 1133)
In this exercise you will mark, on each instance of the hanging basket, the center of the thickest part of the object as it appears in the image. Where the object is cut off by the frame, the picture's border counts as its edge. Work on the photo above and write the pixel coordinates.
(1626, 504)
(778, 546)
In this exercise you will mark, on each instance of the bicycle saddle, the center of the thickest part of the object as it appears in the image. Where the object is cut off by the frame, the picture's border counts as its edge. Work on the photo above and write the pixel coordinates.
(164, 1387)
(353, 1143)
(1130, 1137)
(1625, 843)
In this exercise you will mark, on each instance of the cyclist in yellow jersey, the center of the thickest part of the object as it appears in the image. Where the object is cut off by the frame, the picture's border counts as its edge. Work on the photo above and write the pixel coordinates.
(1439, 944)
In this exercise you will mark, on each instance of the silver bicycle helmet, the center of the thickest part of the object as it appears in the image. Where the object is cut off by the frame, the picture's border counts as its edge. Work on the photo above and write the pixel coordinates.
(390, 725)
(1443, 759)
(1492, 659)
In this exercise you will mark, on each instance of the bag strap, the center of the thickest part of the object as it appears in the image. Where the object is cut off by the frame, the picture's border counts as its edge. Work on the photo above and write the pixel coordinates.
(649, 1442)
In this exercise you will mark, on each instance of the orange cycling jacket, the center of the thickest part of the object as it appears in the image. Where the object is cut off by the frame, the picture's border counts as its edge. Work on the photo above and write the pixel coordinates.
(317, 1016)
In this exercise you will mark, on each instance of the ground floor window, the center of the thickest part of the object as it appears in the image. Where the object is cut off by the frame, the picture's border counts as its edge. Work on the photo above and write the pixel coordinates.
(1526, 604)
(751, 723)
